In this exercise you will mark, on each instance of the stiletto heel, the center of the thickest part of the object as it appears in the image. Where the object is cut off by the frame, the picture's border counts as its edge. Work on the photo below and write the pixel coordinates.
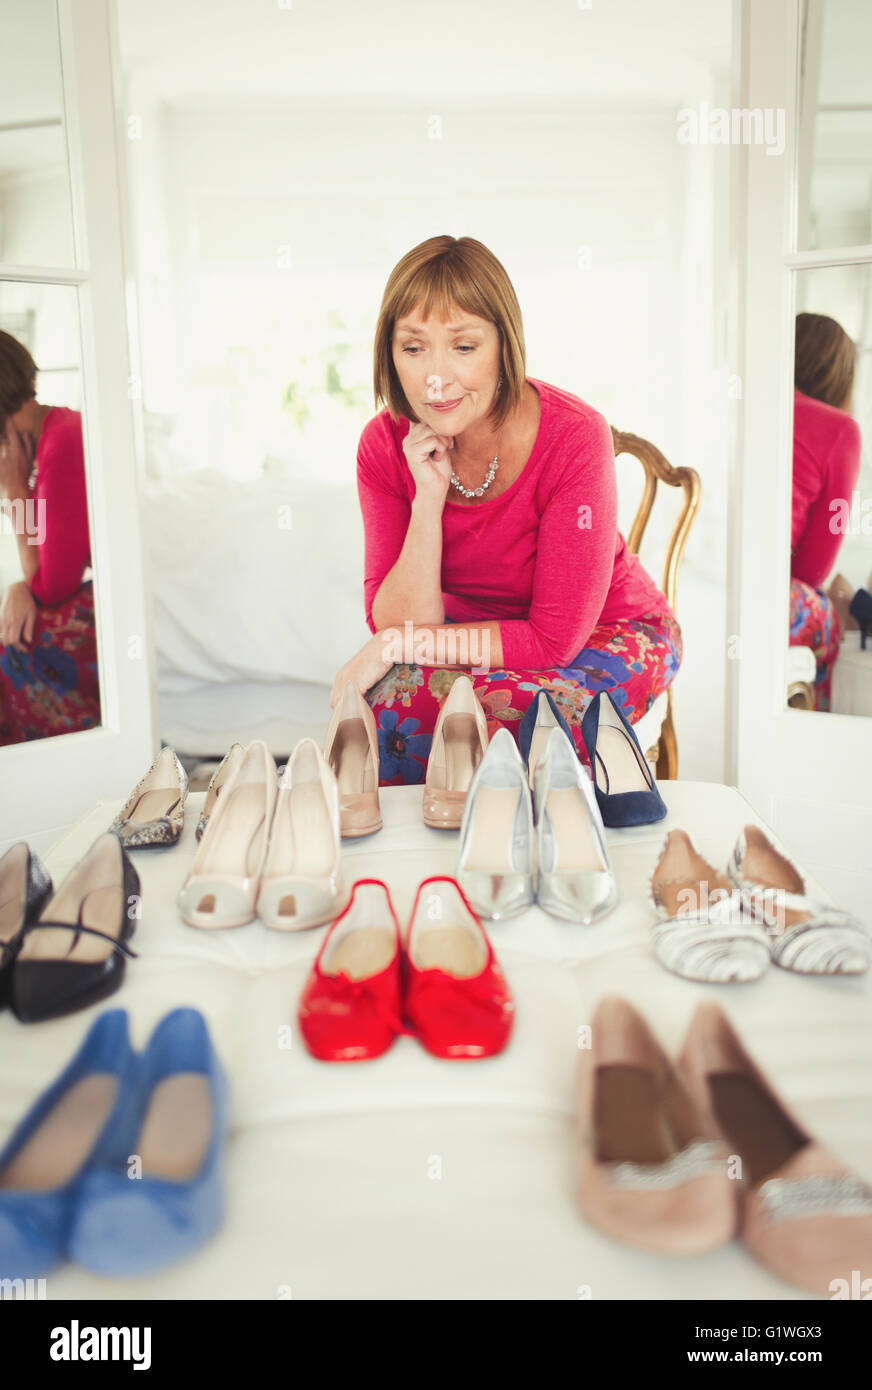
(496, 833)
(460, 740)
(575, 879)
(534, 729)
(302, 884)
(624, 784)
(351, 750)
(222, 884)
(218, 781)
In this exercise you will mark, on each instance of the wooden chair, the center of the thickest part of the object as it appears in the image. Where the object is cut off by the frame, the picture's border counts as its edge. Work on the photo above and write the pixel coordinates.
(664, 754)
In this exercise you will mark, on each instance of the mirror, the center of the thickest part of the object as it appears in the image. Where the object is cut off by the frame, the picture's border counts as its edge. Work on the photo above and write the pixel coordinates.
(36, 224)
(831, 500)
(48, 649)
(835, 125)
(829, 667)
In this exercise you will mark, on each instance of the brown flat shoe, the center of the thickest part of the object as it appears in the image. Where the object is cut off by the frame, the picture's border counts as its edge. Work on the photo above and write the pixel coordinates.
(651, 1172)
(806, 1216)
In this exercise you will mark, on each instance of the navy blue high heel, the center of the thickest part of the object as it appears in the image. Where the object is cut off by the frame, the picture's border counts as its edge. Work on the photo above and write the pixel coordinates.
(540, 717)
(625, 789)
(72, 1124)
(132, 1222)
(860, 609)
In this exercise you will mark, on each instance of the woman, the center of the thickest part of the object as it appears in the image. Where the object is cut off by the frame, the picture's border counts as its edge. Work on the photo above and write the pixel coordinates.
(48, 645)
(826, 463)
(489, 504)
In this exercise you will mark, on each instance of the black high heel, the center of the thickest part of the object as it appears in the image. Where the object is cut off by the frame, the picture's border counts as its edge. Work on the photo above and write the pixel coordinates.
(860, 609)
(101, 883)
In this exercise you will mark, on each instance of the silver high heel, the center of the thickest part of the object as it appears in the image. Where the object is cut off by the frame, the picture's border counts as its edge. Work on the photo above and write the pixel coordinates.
(496, 833)
(302, 884)
(575, 875)
(154, 813)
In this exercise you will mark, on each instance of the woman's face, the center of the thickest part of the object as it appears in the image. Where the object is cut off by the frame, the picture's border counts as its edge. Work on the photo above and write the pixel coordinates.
(452, 363)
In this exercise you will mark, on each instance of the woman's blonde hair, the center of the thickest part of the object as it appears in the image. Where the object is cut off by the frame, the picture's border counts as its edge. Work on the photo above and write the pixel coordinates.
(442, 273)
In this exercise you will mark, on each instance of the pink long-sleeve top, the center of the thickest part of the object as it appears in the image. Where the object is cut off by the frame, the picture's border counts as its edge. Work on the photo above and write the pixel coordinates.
(545, 558)
(826, 464)
(60, 492)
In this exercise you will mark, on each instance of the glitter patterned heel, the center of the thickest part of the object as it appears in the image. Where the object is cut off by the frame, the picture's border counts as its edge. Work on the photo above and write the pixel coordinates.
(806, 1216)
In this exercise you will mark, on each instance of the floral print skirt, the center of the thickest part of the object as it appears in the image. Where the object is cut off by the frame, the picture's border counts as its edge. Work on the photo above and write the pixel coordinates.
(635, 659)
(52, 687)
(814, 623)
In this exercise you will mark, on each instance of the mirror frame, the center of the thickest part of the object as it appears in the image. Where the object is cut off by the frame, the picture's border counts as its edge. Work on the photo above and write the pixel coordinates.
(46, 784)
(802, 770)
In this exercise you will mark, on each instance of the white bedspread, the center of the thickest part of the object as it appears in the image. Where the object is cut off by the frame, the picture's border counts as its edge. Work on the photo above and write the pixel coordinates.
(411, 1177)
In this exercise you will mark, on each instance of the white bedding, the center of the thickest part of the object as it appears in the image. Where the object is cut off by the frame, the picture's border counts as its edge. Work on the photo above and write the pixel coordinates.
(412, 1177)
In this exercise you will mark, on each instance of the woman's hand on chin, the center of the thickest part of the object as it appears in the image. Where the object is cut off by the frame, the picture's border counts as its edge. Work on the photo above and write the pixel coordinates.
(364, 669)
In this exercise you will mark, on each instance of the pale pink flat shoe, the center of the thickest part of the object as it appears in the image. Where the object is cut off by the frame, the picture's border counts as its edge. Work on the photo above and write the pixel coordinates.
(351, 750)
(807, 1217)
(651, 1173)
(460, 740)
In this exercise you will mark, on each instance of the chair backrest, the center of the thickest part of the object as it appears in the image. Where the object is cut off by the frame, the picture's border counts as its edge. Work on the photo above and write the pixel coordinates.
(658, 469)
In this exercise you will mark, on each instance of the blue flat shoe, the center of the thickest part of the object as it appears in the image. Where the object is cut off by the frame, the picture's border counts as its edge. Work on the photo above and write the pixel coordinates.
(624, 784)
(540, 717)
(70, 1126)
(159, 1198)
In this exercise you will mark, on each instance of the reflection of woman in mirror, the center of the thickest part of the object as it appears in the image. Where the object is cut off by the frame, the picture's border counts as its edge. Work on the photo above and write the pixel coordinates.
(826, 463)
(48, 649)
(529, 576)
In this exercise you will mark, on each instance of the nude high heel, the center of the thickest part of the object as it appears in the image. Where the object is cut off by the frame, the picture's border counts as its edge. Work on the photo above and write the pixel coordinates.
(806, 1215)
(351, 750)
(652, 1171)
(221, 887)
(460, 740)
(302, 884)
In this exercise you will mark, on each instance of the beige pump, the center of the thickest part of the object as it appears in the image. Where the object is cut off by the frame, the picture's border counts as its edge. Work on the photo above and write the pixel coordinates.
(302, 884)
(351, 750)
(222, 885)
(460, 740)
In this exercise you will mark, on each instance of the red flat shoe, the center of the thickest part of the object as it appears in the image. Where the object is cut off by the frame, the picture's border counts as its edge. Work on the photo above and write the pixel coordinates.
(457, 1000)
(351, 1006)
